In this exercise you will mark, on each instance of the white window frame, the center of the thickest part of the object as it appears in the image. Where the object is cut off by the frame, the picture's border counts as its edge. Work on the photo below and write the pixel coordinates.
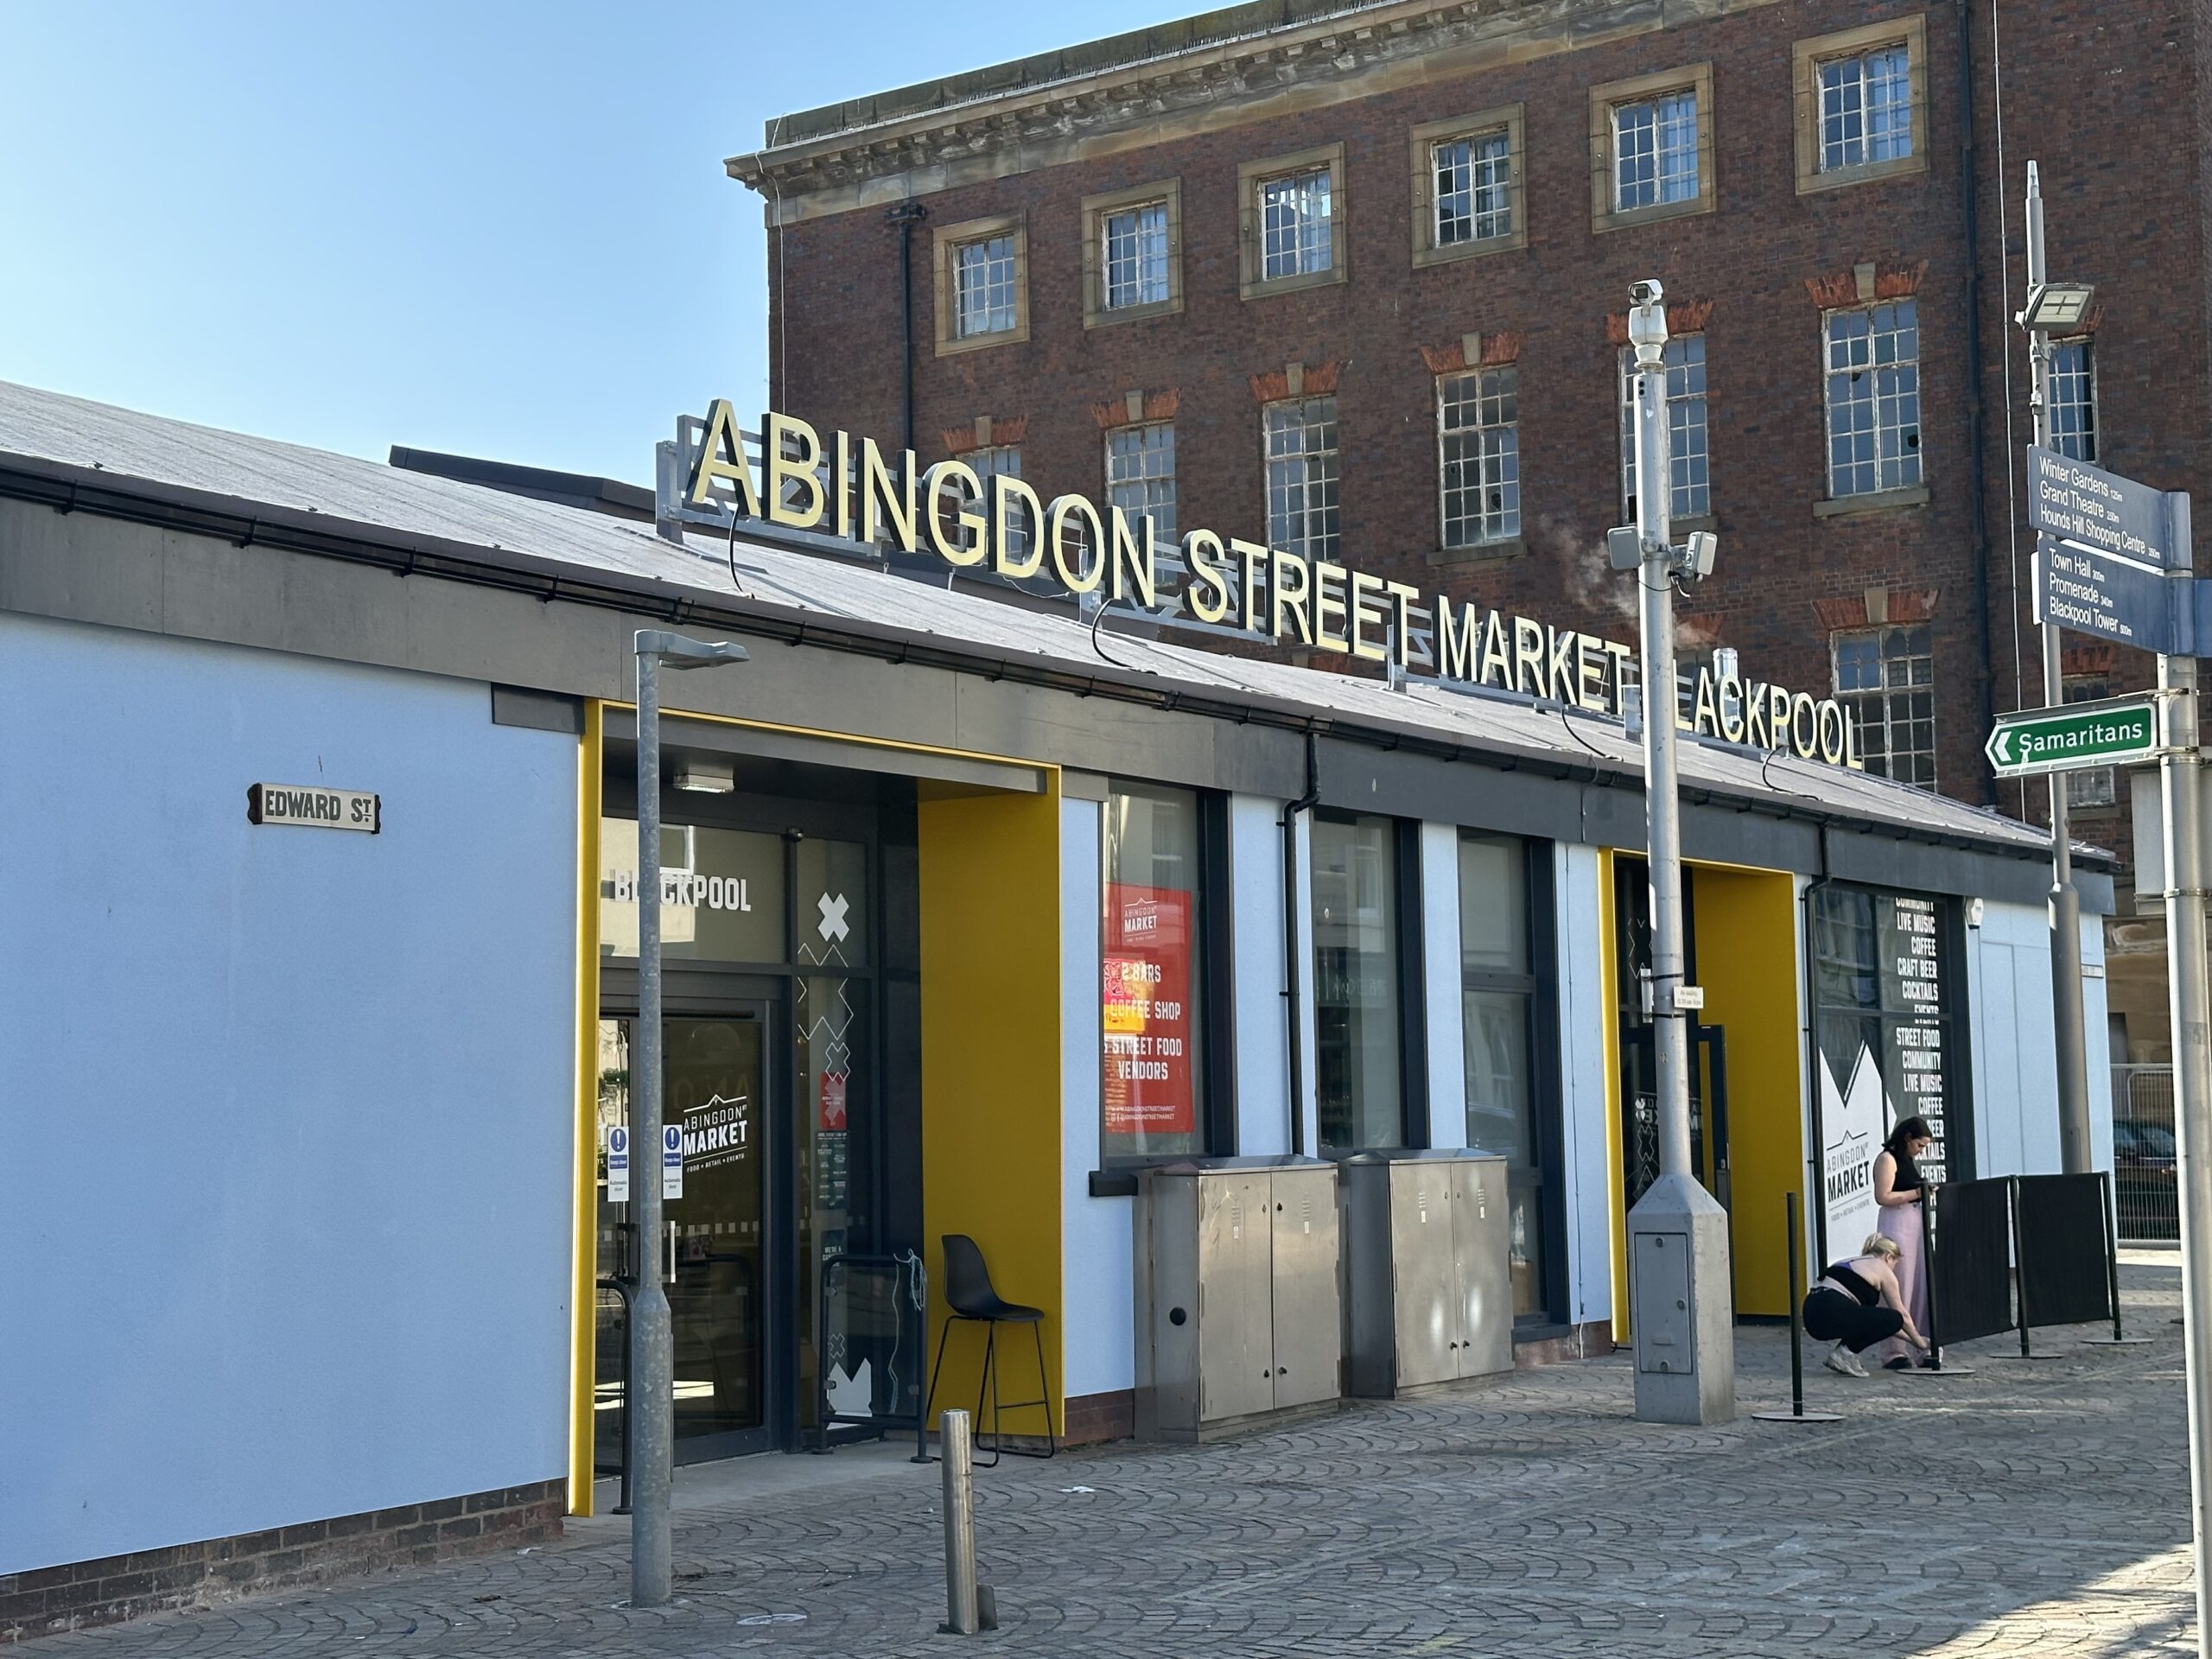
(1141, 473)
(2080, 444)
(953, 330)
(1316, 487)
(1689, 503)
(1098, 213)
(1897, 466)
(1811, 59)
(1490, 446)
(1877, 744)
(1608, 104)
(1253, 182)
(1508, 222)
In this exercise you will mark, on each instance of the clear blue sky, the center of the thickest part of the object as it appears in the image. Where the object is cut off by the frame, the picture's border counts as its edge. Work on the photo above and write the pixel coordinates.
(498, 229)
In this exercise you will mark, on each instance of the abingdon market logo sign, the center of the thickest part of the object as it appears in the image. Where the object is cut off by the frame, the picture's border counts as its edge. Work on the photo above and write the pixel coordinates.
(972, 523)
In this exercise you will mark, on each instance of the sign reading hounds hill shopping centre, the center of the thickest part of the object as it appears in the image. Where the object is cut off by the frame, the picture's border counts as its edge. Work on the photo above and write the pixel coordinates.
(872, 497)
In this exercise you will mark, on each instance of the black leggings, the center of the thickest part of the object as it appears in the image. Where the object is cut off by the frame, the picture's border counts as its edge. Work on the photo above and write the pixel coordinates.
(1831, 1316)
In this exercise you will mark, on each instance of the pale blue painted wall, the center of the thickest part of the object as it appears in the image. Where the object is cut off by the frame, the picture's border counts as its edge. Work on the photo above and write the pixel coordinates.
(287, 1111)
(2014, 1056)
(1255, 924)
(1586, 1004)
(1443, 1006)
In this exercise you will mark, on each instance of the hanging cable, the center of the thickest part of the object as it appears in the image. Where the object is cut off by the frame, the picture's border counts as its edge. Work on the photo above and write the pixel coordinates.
(2004, 291)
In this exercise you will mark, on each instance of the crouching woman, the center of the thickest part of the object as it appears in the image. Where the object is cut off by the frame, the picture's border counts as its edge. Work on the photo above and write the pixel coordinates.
(1858, 1303)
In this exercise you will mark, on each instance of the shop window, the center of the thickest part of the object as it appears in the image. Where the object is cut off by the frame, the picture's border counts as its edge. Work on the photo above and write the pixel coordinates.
(2071, 393)
(1512, 1107)
(1861, 98)
(1140, 474)
(1467, 187)
(2093, 785)
(1886, 678)
(1358, 988)
(1478, 456)
(1290, 221)
(1154, 1094)
(1300, 440)
(1687, 458)
(1873, 396)
(722, 892)
(1133, 253)
(1651, 148)
(982, 290)
(1883, 998)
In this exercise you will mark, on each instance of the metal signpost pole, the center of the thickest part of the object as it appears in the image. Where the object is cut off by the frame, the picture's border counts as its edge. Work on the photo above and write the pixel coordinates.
(1682, 1312)
(652, 1346)
(2180, 775)
(2071, 1045)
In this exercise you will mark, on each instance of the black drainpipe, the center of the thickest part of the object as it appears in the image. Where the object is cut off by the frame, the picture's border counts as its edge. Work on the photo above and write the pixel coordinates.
(1977, 419)
(906, 215)
(1291, 953)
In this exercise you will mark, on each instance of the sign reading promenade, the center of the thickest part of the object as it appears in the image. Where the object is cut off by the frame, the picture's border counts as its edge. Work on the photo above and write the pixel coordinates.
(855, 489)
(2118, 731)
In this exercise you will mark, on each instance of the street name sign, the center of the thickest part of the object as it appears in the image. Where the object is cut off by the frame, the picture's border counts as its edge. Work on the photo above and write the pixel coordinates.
(2102, 510)
(2111, 596)
(2117, 732)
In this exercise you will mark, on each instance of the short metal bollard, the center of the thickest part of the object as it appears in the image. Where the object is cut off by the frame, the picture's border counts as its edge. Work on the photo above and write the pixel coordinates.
(1796, 1413)
(953, 1442)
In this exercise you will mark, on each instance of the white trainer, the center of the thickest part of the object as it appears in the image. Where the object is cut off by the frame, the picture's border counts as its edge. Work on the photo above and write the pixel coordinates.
(1844, 1363)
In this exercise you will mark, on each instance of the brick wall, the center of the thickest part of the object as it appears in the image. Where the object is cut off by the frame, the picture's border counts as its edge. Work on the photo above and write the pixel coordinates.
(82, 1593)
(2097, 89)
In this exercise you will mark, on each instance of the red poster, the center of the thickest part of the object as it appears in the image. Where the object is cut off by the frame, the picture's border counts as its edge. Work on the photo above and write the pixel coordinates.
(1147, 1012)
(833, 1101)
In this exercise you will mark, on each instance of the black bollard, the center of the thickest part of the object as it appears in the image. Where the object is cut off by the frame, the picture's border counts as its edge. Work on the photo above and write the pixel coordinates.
(1796, 1413)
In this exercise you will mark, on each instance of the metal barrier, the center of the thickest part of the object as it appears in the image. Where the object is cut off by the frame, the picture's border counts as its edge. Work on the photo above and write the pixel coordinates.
(901, 1304)
(2145, 1189)
(1967, 1255)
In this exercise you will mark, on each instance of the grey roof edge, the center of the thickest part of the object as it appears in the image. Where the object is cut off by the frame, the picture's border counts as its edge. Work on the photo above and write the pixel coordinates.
(68, 487)
(1057, 71)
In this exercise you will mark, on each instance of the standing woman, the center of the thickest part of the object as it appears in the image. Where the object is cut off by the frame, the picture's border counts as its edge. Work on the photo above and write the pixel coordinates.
(1899, 1194)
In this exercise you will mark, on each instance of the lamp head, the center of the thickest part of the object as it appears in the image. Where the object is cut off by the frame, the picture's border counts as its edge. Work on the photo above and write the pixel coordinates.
(676, 651)
(1647, 322)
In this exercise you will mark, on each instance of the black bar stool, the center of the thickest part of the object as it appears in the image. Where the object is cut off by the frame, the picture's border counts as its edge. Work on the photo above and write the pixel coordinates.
(969, 1292)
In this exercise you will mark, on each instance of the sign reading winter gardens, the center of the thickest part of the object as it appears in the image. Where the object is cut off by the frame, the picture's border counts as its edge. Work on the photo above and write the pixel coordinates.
(865, 495)
(1884, 1011)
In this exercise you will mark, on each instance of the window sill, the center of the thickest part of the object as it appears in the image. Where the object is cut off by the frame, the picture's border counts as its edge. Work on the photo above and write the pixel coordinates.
(947, 347)
(1113, 1183)
(1841, 178)
(1627, 218)
(1267, 287)
(1479, 552)
(1106, 319)
(1693, 521)
(1843, 507)
(1451, 252)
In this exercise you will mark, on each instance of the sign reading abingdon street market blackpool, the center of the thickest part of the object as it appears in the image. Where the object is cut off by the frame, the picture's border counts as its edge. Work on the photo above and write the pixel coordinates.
(972, 523)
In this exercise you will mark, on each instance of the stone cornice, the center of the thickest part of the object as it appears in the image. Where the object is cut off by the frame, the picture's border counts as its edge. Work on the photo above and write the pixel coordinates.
(1353, 54)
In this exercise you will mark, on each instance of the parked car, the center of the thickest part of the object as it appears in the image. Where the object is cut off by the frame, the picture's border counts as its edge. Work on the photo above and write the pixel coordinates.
(2144, 1166)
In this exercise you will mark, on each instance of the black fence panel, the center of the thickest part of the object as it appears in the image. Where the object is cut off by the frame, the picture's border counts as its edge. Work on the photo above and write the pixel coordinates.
(1970, 1261)
(2065, 1274)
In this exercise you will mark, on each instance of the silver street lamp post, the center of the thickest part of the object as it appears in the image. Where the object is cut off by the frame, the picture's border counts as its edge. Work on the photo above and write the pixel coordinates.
(1681, 1309)
(2071, 1045)
(652, 1348)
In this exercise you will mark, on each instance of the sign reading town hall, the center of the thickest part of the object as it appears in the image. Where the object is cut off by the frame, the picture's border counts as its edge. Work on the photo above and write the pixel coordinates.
(864, 494)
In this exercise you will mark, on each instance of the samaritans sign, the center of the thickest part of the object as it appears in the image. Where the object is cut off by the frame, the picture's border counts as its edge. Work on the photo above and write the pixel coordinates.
(851, 488)
(2114, 732)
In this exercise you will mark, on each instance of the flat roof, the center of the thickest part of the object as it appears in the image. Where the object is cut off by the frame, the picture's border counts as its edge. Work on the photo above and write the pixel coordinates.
(74, 454)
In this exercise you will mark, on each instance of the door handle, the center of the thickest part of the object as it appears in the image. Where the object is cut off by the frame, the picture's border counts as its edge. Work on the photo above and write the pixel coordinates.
(668, 1276)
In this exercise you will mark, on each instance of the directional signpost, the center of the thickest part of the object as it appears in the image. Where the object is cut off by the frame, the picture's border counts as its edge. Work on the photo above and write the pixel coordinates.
(2120, 731)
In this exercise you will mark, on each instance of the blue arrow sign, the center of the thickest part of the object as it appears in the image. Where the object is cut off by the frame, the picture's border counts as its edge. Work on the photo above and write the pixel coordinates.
(2113, 598)
(2103, 511)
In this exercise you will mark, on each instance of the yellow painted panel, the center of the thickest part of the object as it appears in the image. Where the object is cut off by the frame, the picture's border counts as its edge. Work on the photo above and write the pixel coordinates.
(1748, 962)
(583, 1334)
(990, 904)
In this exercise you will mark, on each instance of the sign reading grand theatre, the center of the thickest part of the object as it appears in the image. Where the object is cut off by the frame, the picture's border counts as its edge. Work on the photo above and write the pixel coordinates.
(853, 490)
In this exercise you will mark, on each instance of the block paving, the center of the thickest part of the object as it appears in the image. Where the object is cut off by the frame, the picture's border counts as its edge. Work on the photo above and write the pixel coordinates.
(2038, 1507)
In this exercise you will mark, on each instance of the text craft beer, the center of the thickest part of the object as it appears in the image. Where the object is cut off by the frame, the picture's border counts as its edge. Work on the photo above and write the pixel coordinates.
(972, 523)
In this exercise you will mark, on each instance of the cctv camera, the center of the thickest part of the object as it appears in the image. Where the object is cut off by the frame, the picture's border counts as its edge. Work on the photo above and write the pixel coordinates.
(1646, 293)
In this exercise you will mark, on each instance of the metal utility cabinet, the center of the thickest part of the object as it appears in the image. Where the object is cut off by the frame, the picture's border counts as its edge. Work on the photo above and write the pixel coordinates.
(1236, 1310)
(1427, 1275)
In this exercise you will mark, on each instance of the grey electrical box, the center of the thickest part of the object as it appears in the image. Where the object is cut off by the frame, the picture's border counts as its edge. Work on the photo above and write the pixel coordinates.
(1666, 1341)
(1427, 1279)
(1235, 1279)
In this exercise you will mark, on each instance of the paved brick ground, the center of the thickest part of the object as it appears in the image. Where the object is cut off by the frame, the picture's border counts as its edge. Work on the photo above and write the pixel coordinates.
(2038, 1508)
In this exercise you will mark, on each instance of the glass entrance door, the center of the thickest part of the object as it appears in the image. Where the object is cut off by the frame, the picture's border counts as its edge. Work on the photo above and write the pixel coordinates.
(712, 1255)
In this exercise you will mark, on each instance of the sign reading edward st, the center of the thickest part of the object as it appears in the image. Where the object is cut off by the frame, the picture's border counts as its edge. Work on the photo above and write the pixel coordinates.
(866, 495)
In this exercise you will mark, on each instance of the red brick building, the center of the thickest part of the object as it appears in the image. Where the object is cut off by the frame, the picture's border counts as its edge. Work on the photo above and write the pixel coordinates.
(1354, 276)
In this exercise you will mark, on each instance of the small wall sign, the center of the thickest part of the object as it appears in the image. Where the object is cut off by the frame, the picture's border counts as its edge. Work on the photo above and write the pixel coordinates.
(314, 809)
